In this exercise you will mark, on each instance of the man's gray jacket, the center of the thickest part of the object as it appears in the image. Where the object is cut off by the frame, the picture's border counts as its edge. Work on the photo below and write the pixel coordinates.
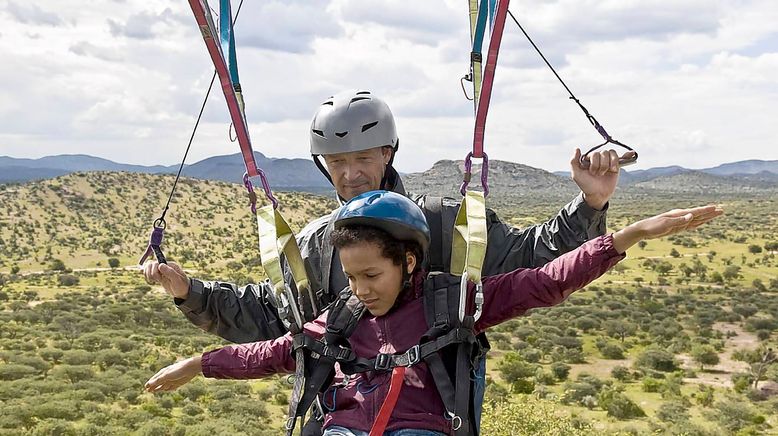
(249, 314)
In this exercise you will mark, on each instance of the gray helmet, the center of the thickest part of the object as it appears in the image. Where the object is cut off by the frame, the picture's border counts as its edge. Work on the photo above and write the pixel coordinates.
(352, 121)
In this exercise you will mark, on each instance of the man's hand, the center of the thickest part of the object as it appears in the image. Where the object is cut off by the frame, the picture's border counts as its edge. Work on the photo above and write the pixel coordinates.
(599, 181)
(668, 223)
(176, 375)
(170, 276)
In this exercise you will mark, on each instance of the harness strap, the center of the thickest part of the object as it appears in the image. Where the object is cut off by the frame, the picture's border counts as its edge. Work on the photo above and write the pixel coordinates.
(275, 239)
(395, 386)
(468, 250)
(488, 78)
(433, 212)
(297, 391)
(204, 20)
(478, 15)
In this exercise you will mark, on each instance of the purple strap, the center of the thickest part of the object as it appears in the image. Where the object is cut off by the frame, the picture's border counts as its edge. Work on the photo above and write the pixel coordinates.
(469, 172)
(157, 234)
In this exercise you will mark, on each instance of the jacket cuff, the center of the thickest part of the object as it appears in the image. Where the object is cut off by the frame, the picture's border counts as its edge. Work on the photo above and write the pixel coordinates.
(194, 299)
(604, 245)
(587, 211)
(206, 364)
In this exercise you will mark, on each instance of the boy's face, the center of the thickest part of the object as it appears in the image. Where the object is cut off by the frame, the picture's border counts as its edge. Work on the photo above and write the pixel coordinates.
(373, 278)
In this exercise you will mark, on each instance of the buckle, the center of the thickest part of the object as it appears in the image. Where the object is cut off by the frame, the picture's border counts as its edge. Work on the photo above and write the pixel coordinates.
(383, 362)
(413, 355)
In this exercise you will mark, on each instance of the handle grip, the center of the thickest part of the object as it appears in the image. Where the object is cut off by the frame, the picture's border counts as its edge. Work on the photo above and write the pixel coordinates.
(626, 159)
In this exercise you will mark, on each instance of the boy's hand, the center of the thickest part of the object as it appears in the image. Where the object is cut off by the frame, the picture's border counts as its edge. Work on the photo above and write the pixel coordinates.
(665, 224)
(174, 376)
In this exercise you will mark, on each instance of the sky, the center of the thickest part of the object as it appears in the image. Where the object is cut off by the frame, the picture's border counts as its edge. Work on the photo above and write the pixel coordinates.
(688, 82)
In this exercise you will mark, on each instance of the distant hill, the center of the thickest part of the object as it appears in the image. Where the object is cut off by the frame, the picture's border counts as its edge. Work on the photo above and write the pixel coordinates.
(512, 181)
(506, 179)
(285, 174)
(747, 170)
(745, 167)
(698, 182)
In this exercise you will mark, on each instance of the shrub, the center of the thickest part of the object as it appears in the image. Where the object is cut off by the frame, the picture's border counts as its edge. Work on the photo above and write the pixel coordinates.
(560, 370)
(621, 373)
(656, 359)
(651, 384)
(529, 416)
(612, 351)
(619, 405)
(14, 371)
(68, 280)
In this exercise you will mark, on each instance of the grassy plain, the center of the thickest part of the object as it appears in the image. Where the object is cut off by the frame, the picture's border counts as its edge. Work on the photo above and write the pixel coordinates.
(677, 293)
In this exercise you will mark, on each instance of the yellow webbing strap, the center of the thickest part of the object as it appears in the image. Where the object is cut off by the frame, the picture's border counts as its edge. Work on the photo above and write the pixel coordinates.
(276, 238)
(468, 245)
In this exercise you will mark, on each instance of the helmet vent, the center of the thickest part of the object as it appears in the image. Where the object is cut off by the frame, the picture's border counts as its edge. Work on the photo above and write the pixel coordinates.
(328, 103)
(363, 93)
(318, 132)
(356, 99)
(369, 126)
(341, 134)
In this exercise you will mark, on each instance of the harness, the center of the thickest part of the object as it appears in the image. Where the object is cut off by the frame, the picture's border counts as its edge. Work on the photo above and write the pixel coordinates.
(449, 348)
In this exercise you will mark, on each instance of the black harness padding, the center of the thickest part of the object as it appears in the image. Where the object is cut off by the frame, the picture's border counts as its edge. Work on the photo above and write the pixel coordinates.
(449, 348)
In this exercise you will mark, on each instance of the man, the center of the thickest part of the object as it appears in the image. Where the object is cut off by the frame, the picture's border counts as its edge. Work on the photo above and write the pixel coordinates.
(354, 133)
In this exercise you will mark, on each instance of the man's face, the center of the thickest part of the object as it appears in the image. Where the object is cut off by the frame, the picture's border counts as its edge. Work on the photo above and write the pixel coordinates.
(357, 172)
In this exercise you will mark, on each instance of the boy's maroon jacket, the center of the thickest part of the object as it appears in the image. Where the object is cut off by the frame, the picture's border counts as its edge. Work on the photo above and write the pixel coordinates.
(355, 404)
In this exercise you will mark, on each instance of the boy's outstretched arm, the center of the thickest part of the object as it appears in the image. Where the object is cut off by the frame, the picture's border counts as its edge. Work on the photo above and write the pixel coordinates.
(512, 294)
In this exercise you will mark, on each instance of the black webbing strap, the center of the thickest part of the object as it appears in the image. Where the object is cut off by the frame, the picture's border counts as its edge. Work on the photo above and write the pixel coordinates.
(314, 374)
(433, 212)
(327, 252)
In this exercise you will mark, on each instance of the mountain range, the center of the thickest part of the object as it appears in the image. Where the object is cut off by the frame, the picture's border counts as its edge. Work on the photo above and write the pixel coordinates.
(505, 178)
(286, 174)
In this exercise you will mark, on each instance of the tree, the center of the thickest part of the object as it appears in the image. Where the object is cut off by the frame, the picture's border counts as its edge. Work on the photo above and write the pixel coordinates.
(674, 253)
(656, 359)
(731, 272)
(14, 371)
(57, 265)
(642, 244)
(704, 355)
(760, 360)
(619, 405)
(512, 367)
(113, 262)
(68, 280)
(754, 249)
(612, 351)
(621, 373)
(560, 370)
(619, 328)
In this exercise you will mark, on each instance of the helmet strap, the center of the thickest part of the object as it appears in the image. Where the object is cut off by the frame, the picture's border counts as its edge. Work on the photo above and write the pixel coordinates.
(406, 279)
(322, 168)
(389, 181)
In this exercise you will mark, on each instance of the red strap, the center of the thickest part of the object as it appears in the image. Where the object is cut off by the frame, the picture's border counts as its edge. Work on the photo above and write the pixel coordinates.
(204, 21)
(488, 79)
(398, 376)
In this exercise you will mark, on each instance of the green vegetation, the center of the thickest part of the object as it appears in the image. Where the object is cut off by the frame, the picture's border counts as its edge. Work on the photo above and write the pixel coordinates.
(675, 340)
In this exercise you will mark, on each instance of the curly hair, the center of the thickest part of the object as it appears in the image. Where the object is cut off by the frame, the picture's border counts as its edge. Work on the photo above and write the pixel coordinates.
(391, 248)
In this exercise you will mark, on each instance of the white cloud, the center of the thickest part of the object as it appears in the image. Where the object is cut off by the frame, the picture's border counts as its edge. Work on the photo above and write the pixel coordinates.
(690, 82)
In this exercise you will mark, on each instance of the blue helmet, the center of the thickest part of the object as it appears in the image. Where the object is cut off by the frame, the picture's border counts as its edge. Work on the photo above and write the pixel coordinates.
(389, 211)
